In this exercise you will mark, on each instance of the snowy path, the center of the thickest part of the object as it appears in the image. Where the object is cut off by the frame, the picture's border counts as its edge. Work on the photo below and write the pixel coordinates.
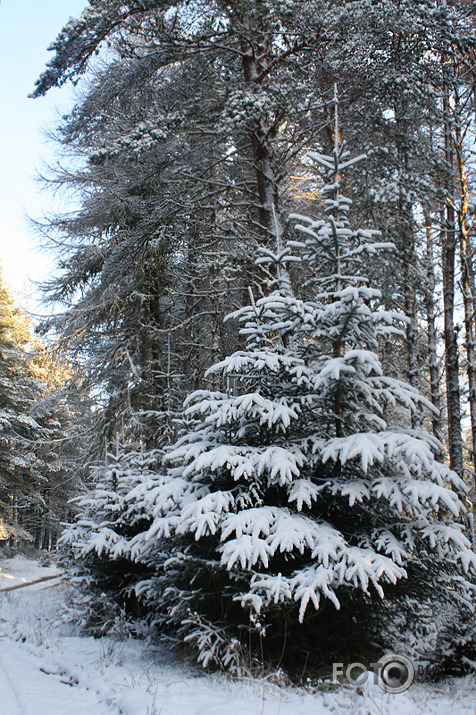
(10, 701)
(47, 670)
(28, 683)
(26, 690)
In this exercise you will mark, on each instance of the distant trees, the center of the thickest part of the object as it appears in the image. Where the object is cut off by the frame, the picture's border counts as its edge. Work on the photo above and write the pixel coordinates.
(20, 472)
(36, 458)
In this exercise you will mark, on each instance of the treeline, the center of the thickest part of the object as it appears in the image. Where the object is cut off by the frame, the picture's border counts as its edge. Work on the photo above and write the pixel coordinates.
(39, 461)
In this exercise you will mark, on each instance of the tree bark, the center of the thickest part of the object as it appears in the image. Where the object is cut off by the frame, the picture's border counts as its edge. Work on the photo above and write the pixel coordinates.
(467, 273)
(448, 255)
(255, 67)
(432, 334)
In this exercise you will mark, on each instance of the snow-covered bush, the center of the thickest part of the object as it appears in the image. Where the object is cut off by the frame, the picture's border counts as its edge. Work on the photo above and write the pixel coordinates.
(438, 635)
(96, 548)
(293, 505)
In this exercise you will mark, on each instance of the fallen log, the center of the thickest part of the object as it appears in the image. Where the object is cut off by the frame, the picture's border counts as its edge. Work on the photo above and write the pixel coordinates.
(30, 583)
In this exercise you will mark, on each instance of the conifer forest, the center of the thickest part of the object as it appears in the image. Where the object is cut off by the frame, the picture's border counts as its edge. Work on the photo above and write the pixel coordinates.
(248, 423)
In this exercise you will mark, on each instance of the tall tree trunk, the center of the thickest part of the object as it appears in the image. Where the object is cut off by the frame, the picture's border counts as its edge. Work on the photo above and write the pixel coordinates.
(448, 255)
(255, 56)
(467, 272)
(430, 303)
(405, 235)
(190, 366)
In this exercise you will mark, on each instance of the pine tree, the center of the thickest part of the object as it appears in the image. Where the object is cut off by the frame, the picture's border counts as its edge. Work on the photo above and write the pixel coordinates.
(302, 486)
(180, 180)
(135, 271)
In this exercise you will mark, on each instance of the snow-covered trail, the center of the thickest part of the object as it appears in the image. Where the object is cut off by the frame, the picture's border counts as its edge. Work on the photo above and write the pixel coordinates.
(9, 698)
(26, 689)
(46, 669)
(28, 684)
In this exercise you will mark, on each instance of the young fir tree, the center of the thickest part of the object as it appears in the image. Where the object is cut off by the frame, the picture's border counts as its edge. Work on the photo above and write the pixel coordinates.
(293, 494)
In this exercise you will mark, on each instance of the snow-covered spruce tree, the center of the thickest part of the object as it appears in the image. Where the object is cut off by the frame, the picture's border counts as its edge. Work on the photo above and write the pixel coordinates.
(294, 504)
(96, 548)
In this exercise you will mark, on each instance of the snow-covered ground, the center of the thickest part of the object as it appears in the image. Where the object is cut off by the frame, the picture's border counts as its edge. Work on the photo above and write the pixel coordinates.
(46, 669)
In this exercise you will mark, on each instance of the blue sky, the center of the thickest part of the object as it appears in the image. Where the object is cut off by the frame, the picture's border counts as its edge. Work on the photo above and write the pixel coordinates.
(27, 27)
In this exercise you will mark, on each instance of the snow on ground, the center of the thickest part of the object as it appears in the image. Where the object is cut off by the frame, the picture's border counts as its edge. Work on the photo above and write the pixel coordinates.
(46, 669)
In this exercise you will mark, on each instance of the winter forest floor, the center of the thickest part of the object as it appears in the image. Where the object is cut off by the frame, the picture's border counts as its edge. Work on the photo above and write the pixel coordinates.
(48, 669)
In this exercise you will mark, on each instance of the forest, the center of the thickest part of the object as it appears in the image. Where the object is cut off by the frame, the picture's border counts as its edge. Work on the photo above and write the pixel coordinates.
(249, 421)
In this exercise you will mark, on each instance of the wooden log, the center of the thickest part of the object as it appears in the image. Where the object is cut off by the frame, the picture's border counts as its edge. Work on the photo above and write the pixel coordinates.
(30, 583)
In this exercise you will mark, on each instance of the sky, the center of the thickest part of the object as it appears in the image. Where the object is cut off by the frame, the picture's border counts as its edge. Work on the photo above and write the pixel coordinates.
(27, 27)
